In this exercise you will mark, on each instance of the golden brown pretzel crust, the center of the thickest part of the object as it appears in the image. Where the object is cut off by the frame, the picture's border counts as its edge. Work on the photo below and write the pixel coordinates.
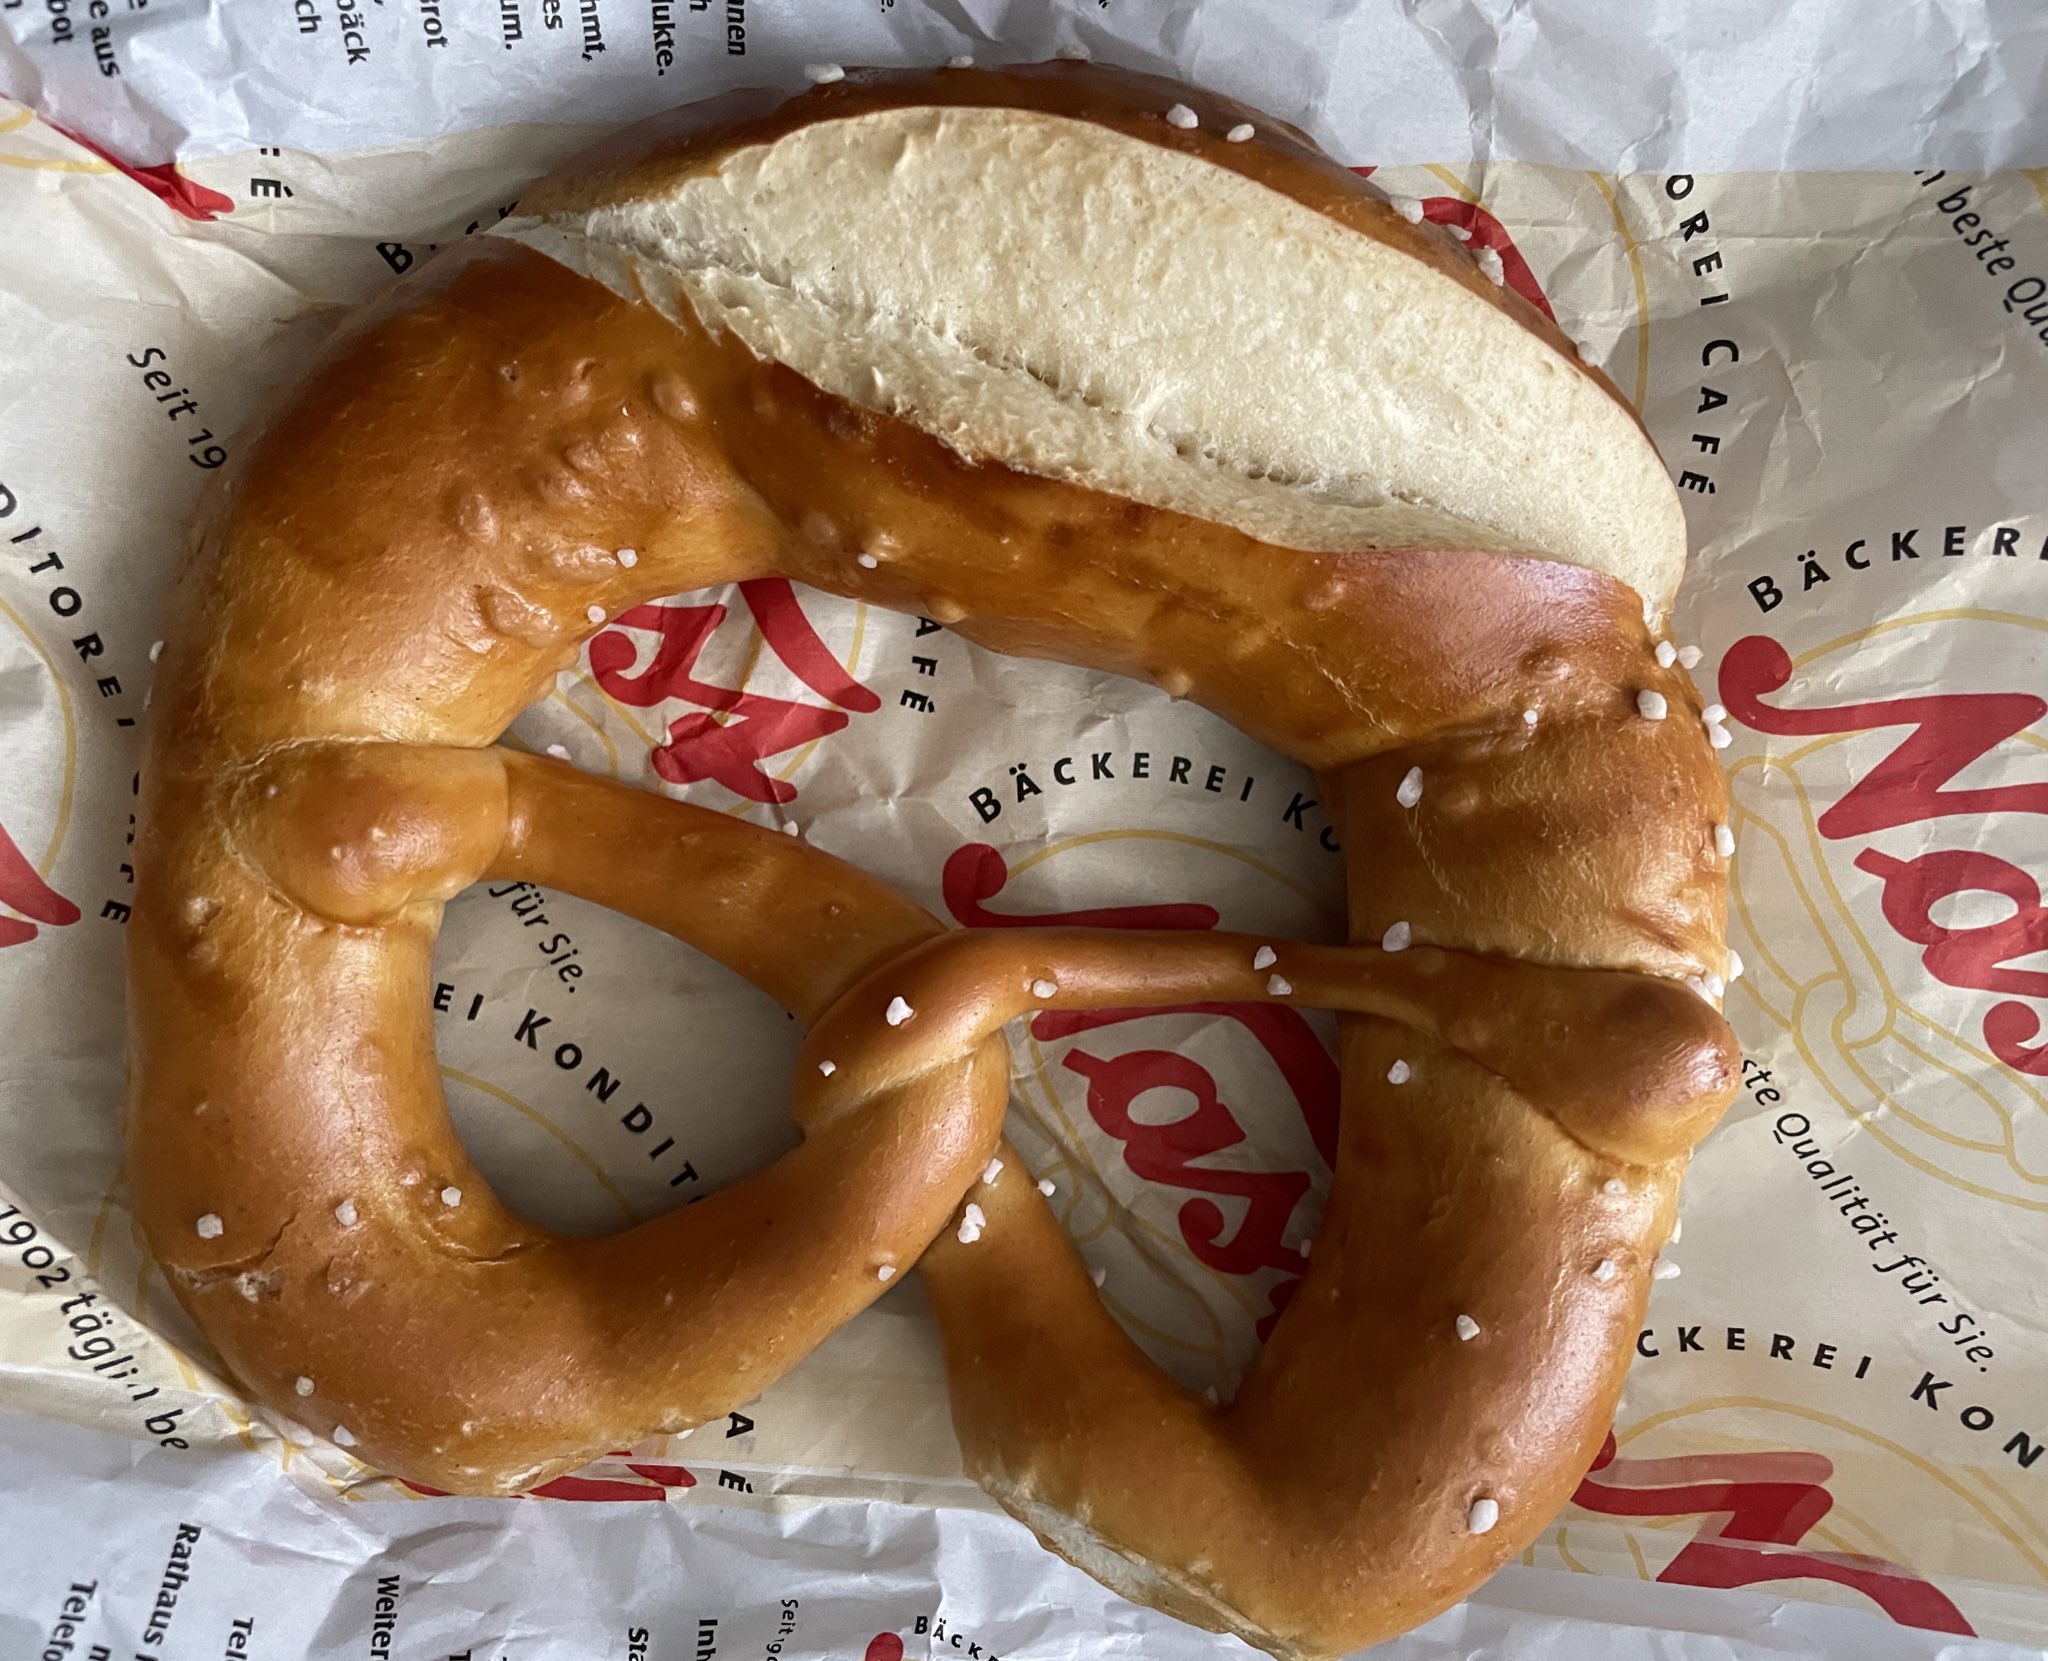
(405, 560)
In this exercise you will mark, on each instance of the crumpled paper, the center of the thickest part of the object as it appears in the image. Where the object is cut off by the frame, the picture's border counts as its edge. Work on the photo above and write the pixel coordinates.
(1831, 1437)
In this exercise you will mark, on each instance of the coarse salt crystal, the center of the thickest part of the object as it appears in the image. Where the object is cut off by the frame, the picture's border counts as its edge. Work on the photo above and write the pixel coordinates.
(594, 613)
(345, 1213)
(990, 1171)
(886, 1272)
(1264, 958)
(1483, 1515)
(867, 562)
(1409, 791)
(1182, 117)
(1689, 657)
(1400, 1073)
(304, 1386)
(1735, 965)
(898, 1012)
(559, 751)
(1650, 705)
(1045, 989)
(823, 74)
(960, 60)
(828, 1068)
(1614, 1187)
(1468, 1329)
(344, 1437)
(1098, 1275)
(1667, 654)
(1398, 938)
(1719, 737)
(210, 1227)
(629, 557)
(972, 1221)
(1605, 1270)
(451, 1196)
(1714, 714)
(1242, 131)
(1046, 1188)
(1724, 842)
(1664, 1270)
(155, 650)
(1409, 209)
(1279, 986)
(1528, 718)
(1490, 263)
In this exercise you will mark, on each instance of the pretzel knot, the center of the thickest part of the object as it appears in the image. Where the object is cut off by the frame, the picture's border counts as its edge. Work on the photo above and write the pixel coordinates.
(1440, 596)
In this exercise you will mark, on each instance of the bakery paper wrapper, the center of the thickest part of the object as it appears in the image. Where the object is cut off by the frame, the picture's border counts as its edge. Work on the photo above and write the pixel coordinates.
(1834, 1433)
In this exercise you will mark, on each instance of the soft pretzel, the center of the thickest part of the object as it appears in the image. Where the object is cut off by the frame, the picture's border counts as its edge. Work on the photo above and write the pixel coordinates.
(1079, 365)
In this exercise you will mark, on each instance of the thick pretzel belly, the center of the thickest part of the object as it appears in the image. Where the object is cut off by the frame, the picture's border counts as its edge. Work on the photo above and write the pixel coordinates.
(509, 454)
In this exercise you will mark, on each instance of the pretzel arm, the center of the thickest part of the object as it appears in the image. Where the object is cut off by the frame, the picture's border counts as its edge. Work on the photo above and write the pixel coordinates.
(1635, 1068)
(384, 1222)
(1372, 1440)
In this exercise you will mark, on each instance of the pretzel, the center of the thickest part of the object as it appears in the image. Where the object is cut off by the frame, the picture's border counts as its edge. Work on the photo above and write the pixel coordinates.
(956, 345)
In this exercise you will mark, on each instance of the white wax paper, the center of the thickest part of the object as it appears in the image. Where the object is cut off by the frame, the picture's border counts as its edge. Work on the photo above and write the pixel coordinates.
(1830, 366)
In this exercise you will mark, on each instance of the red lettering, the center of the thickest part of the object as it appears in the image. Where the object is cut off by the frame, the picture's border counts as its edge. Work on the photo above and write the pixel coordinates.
(1758, 1505)
(22, 890)
(1284, 1034)
(1974, 957)
(737, 730)
(1485, 231)
(654, 1484)
(1167, 1153)
(1950, 730)
(975, 874)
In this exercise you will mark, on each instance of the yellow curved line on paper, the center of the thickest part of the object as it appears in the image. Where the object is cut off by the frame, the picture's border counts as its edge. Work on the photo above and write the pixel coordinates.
(611, 750)
(2039, 178)
(95, 1242)
(1459, 188)
(1927, 1467)
(1564, 1551)
(2008, 1149)
(2019, 1512)
(64, 795)
(625, 714)
(597, 1171)
(18, 118)
(1635, 1551)
(1947, 614)
(1635, 270)
(55, 164)
(1089, 838)
(2019, 1082)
